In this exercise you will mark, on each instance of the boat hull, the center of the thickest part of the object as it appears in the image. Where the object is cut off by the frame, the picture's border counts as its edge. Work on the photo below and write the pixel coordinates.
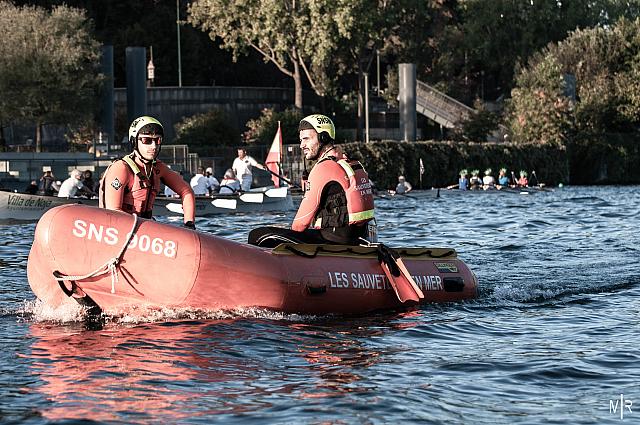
(170, 266)
(22, 207)
(18, 207)
(256, 200)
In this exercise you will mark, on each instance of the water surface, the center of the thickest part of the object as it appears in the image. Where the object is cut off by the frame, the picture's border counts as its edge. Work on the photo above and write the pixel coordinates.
(551, 339)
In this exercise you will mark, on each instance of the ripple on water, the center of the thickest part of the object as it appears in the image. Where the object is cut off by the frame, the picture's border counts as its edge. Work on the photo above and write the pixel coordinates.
(551, 338)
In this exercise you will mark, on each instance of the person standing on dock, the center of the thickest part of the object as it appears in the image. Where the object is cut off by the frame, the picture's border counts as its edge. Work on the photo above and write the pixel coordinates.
(242, 168)
(131, 183)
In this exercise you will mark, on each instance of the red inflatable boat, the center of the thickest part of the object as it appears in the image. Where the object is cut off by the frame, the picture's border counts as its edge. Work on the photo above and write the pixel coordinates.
(118, 262)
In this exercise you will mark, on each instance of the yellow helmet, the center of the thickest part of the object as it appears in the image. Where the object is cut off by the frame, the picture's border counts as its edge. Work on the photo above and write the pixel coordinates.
(320, 123)
(144, 125)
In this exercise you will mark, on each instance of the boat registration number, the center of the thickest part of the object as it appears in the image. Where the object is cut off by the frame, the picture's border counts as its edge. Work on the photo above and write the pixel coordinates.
(110, 236)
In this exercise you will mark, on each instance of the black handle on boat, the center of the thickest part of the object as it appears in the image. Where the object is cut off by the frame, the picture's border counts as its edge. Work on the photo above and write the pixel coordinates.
(282, 178)
(68, 292)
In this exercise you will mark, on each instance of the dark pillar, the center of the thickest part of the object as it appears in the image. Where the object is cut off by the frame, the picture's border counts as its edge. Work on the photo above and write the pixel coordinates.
(136, 58)
(106, 115)
(407, 98)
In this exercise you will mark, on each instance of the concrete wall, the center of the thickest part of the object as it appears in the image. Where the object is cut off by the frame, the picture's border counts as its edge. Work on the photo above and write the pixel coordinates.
(171, 104)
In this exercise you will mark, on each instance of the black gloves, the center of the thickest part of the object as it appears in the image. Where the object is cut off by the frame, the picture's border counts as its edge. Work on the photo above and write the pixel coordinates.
(190, 224)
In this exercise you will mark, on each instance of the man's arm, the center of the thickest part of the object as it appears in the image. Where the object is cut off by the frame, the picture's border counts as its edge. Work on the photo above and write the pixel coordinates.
(255, 163)
(115, 180)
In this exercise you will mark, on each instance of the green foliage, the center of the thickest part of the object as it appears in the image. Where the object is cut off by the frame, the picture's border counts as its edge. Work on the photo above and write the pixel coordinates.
(49, 64)
(390, 94)
(477, 127)
(203, 133)
(539, 110)
(296, 36)
(487, 39)
(263, 129)
(607, 159)
(606, 66)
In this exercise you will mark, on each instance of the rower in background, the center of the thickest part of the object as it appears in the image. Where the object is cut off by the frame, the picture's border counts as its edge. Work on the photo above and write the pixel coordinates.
(403, 186)
(463, 181)
(523, 181)
(503, 179)
(488, 182)
(475, 182)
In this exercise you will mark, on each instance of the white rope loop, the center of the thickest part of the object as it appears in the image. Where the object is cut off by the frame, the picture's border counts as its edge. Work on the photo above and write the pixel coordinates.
(111, 266)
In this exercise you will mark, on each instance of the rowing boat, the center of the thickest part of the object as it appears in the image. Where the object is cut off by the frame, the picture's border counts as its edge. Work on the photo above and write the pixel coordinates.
(21, 207)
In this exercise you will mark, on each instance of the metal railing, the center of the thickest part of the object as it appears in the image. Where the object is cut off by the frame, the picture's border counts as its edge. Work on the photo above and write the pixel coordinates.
(439, 107)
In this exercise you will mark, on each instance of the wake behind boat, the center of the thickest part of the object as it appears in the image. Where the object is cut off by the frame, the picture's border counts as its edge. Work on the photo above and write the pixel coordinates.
(117, 263)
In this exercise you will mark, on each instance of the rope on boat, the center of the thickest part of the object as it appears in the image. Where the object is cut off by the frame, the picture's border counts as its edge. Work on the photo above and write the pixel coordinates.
(110, 266)
(349, 250)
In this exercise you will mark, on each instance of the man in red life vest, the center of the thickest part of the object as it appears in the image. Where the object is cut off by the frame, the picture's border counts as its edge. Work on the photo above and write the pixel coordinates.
(132, 183)
(338, 197)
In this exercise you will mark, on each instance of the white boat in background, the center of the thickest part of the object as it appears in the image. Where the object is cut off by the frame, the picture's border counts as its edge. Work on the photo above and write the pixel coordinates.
(22, 207)
(16, 206)
(262, 199)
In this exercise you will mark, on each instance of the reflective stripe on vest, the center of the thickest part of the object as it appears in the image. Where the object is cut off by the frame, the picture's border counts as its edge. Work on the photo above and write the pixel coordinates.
(131, 163)
(347, 168)
(361, 216)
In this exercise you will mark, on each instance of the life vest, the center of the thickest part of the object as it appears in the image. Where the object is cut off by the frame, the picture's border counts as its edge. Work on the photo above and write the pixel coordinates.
(140, 193)
(358, 195)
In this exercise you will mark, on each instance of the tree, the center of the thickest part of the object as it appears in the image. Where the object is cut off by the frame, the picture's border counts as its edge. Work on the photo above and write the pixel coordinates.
(262, 129)
(539, 110)
(206, 132)
(297, 36)
(605, 63)
(49, 66)
(489, 39)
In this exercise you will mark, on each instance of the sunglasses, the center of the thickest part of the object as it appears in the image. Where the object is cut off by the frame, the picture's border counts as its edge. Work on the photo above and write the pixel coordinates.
(147, 140)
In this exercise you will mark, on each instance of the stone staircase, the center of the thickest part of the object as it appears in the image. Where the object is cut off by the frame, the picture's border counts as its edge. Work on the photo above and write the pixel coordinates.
(439, 107)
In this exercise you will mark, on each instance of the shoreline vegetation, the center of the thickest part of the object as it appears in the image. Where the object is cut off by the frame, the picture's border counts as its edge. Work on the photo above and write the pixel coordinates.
(610, 160)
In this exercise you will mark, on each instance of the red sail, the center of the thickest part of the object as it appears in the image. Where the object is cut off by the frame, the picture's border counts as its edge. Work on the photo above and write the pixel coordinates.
(274, 157)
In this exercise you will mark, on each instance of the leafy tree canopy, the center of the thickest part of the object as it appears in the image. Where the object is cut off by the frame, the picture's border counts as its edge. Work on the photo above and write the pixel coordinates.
(605, 63)
(205, 133)
(49, 65)
(263, 129)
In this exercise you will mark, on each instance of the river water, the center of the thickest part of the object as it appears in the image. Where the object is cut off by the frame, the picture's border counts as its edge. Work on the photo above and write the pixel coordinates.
(552, 338)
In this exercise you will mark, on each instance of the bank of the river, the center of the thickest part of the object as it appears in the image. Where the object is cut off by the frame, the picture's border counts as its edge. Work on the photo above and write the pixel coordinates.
(607, 160)
(443, 160)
